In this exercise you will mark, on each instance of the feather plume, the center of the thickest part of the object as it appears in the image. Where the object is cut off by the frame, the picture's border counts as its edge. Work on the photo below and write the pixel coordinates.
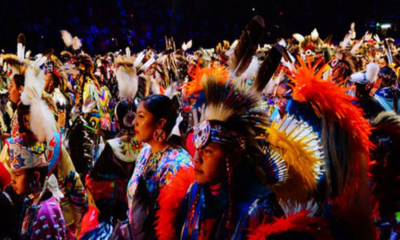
(42, 122)
(127, 78)
(189, 44)
(155, 86)
(372, 72)
(368, 37)
(28, 54)
(184, 47)
(299, 150)
(353, 30)
(139, 59)
(66, 37)
(298, 37)
(314, 35)
(377, 38)
(12, 61)
(268, 67)
(388, 52)
(76, 43)
(346, 41)
(299, 222)
(128, 52)
(170, 199)
(357, 46)
(247, 46)
(21, 43)
(146, 66)
(345, 135)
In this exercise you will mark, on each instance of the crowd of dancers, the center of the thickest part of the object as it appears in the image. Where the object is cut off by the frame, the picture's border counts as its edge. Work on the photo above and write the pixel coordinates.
(297, 139)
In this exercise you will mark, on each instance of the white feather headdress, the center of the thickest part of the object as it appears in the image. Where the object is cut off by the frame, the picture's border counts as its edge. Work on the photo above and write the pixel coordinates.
(127, 78)
(42, 121)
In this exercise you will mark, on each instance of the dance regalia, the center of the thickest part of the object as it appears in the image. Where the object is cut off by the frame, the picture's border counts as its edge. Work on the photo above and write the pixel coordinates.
(109, 178)
(152, 172)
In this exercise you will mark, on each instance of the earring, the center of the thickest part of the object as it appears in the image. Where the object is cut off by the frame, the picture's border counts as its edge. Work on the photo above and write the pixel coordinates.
(159, 135)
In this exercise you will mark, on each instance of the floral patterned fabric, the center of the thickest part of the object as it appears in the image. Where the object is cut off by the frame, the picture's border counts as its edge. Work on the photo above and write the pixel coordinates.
(157, 170)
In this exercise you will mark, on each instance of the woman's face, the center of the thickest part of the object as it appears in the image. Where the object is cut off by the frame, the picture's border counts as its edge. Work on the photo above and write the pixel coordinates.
(20, 181)
(144, 124)
(210, 164)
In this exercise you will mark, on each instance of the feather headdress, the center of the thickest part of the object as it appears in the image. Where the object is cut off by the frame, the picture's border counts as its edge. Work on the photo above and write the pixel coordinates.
(345, 138)
(127, 78)
(294, 159)
(42, 122)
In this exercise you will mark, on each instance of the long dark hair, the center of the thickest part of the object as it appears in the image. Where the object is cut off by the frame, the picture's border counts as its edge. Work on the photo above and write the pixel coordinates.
(161, 107)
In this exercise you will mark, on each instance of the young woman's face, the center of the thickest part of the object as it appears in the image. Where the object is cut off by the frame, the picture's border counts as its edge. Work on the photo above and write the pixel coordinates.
(144, 124)
(20, 181)
(210, 164)
(14, 91)
(382, 63)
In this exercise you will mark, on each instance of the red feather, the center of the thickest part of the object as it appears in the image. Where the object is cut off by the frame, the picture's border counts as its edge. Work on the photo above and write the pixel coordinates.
(298, 222)
(169, 200)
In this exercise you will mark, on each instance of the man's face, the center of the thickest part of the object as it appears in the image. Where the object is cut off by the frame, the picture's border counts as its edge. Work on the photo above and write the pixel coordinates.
(210, 164)
(14, 91)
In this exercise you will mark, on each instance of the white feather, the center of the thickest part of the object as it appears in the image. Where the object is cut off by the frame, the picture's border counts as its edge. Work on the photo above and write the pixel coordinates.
(252, 69)
(39, 61)
(368, 37)
(20, 52)
(147, 64)
(42, 121)
(28, 54)
(357, 46)
(139, 58)
(184, 47)
(282, 42)
(189, 44)
(232, 49)
(66, 37)
(76, 43)
(127, 82)
(372, 72)
(376, 37)
(346, 41)
(314, 35)
(298, 37)
(34, 85)
(175, 130)
(128, 52)
(353, 30)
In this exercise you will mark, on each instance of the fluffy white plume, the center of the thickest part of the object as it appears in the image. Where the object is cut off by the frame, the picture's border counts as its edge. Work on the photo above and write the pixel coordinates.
(372, 72)
(39, 61)
(128, 52)
(282, 42)
(314, 35)
(127, 82)
(34, 85)
(42, 121)
(298, 37)
(368, 37)
(139, 58)
(184, 47)
(76, 43)
(66, 37)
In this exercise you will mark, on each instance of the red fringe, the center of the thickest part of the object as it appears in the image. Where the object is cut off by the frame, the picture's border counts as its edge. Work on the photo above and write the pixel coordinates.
(298, 222)
(170, 200)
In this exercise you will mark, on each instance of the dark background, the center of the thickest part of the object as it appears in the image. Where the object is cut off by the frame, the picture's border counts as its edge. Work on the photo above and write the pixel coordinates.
(112, 25)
